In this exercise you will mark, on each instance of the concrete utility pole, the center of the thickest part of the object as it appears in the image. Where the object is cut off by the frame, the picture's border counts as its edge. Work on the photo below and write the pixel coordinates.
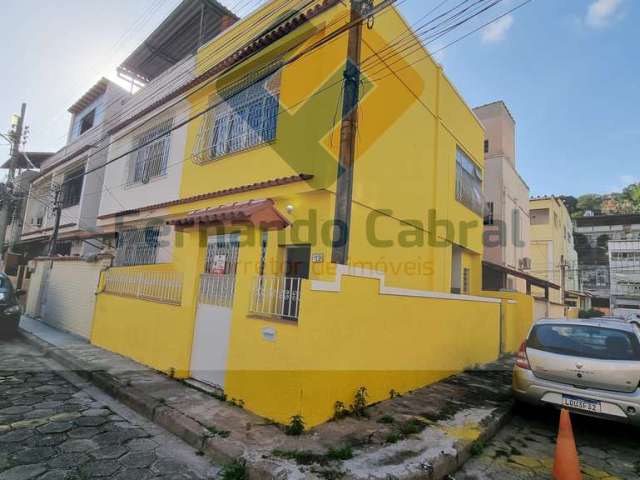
(7, 200)
(348, 129)
(563, 285)
(57, 208)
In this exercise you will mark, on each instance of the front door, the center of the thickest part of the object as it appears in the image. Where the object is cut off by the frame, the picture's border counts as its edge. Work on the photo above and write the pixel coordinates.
(213, 317)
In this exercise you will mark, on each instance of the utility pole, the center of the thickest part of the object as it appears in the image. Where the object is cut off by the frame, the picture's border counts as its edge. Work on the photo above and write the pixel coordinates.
(57, 208)
(7, 201)
(563, 285)
(348, 130)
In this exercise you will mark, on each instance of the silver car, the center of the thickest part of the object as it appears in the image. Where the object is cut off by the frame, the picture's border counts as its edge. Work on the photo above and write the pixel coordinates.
(590, 367)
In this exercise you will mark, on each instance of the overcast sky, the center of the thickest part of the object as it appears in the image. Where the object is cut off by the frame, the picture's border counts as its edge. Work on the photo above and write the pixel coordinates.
(569, 71)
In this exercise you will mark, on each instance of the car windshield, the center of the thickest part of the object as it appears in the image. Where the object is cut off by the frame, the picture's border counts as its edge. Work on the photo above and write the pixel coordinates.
(585, 341)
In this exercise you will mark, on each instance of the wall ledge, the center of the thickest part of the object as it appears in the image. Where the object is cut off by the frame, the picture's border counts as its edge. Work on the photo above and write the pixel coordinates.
(349, 271)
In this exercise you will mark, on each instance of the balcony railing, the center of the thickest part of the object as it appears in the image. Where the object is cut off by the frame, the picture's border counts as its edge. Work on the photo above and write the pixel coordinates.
(217, 289)
(276, 297)
(163, 287)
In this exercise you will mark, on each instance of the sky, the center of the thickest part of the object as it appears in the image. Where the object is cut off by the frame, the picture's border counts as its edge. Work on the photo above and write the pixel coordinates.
(568, 70)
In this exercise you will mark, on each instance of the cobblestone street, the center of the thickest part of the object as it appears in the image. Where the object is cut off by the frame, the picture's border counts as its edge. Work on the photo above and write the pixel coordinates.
(525, 449)
(54, 427)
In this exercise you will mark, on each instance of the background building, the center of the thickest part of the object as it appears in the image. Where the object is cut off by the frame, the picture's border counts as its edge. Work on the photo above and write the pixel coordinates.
(593, 235)
(506, 221)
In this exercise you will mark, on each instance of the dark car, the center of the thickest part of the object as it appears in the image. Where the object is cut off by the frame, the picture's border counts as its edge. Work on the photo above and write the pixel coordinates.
(10, 309)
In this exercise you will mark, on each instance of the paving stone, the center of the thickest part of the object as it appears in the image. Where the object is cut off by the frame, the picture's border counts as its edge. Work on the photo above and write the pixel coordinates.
(133, 474)
(100, 468)
(57, 475)
(68, 460)
(83, 432)
(15, 436)
(138, 460)
(47, 440)
(23, 472)
(33, 455)
(97, 412)
(55, 427)
(142, 444)
(110, 452)
(90, 421)
(79, 445)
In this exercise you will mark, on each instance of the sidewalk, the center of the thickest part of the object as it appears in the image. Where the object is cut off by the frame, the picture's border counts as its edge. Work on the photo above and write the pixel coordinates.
(428, 433)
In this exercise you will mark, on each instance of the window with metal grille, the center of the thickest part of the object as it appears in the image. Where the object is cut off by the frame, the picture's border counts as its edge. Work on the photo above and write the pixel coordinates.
(468, 183)
(72, 187)
(150, 158)
(240, 121)
(137, 247)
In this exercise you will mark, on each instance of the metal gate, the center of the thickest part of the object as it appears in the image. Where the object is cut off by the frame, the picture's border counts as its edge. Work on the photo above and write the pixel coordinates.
(213, 317)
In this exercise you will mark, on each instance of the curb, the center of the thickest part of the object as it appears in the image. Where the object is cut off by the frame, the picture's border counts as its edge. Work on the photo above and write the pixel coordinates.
(222, 450)
(191, 432)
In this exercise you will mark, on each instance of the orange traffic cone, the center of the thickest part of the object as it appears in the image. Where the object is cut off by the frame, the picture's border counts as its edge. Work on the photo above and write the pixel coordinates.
(567, 464)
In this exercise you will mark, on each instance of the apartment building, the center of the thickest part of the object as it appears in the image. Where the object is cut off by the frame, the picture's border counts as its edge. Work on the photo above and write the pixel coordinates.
(593, 235)
(506, 219)
(553, 254)
(75, 171)
(624, 272)
(222, 190)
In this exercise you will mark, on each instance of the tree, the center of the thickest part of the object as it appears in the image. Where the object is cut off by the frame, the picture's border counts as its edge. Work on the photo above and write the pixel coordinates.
(632, 194)
(571, 203)
(590, 201)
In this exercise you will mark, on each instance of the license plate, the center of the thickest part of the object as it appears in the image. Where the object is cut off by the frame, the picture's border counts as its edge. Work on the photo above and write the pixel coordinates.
(593, 406)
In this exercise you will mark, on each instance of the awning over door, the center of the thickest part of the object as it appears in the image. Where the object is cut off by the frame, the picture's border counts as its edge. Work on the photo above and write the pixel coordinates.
(262, 213)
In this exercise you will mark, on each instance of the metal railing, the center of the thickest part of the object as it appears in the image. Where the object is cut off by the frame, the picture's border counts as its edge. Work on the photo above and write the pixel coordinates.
(163, 287)
(276, 296)
(217, 289)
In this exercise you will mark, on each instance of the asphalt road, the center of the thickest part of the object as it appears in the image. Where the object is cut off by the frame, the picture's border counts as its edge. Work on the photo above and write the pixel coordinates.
(525, 449)
(53, 426)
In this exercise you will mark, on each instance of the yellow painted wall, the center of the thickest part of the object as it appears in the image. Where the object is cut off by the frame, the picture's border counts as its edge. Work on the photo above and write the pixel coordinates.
(386, 342)
(519, 315)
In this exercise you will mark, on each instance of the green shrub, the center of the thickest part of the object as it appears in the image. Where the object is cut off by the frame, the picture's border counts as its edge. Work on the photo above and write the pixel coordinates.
(296, 427)
(236, 470)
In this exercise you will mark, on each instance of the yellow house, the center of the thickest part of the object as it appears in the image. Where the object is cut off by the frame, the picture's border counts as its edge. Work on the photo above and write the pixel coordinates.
(251, 301)
(552, 250)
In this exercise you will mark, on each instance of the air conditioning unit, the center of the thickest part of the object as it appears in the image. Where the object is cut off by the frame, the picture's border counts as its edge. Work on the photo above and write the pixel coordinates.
(525, 263)
(36, 221)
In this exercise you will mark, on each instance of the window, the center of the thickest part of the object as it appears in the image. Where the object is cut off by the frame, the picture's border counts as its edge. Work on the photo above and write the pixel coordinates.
(468, 183)
(87, 121)
(466, 279)
(486, 146)
(137, 247)
(539, 216)
(243, 120)
(150, 158)
(488, 213)
(72, 187)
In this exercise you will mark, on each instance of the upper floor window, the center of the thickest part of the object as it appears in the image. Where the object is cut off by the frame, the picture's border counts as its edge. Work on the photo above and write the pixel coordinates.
(137, 246)
(539, 216)
(486, 146)
(488, 213)
(150, 158)
(468, 183)
(72, 187)
(243, 120)
(87, 121)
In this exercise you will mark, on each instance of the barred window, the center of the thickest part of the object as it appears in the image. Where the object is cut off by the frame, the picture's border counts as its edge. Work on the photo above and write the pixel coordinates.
(149, 160)
(240, 121)
(72, 187)
(468, 183)
(137, 247)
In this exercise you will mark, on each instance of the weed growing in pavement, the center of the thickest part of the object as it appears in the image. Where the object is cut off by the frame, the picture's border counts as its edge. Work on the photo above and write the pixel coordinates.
(328, 473)
(340, 453)
(393, 437)
(301, 457)
(239, 403)
(339, 411)
(295, 427)
(216, 432)
(236, 470)
(411, 427)
(386, 419)
(393, 394)
(477, 447)
(360, 403)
